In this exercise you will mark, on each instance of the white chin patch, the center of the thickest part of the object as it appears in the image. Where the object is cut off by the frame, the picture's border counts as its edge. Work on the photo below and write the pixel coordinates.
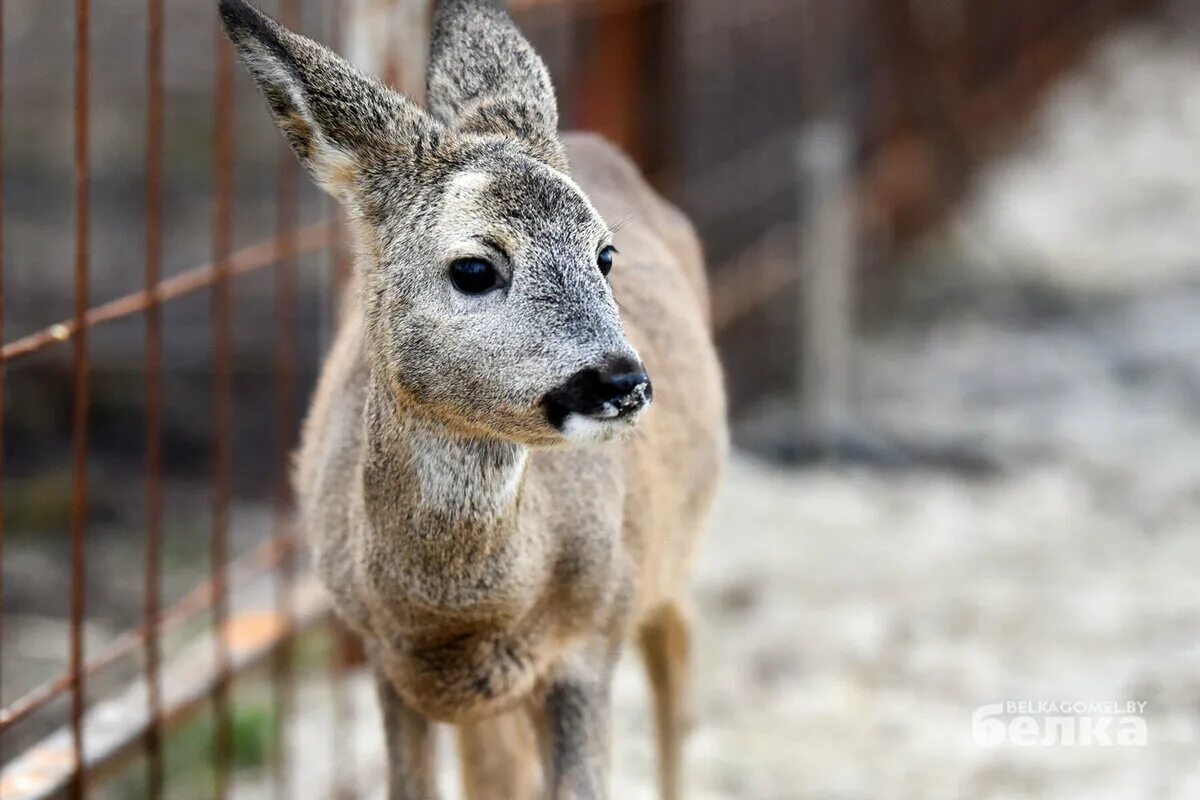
(578, 428)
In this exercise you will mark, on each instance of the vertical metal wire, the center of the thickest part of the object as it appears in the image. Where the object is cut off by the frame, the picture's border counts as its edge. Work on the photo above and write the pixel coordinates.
(287, 193)
(2, 370)
(154, 414)
(222, 313)
(81, 389)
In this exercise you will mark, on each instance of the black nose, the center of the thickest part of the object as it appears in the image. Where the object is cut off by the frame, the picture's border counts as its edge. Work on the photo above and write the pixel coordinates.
(616, 387)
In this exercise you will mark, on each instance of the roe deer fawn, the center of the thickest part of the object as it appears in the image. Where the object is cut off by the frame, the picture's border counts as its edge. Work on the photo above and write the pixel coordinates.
(490, 498)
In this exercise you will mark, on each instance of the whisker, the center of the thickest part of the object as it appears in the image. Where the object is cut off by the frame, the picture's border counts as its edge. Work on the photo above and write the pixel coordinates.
(623, 221)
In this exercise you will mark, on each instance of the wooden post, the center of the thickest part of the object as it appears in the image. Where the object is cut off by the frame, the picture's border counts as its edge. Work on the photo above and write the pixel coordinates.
(607, 90)
(827, 264)
(828, 230)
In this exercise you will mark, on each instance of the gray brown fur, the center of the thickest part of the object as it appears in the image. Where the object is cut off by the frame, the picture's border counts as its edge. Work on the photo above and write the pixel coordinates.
(495, 563)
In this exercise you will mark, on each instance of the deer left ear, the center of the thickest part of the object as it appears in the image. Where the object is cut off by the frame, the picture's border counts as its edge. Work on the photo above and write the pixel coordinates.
(337, 120)
(484, 77)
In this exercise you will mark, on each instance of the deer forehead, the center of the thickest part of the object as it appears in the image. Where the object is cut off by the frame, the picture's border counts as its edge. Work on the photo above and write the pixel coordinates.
(464, 203)
(520, 203)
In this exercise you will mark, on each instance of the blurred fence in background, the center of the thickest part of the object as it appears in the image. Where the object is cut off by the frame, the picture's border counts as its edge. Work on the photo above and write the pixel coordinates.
(168, 282)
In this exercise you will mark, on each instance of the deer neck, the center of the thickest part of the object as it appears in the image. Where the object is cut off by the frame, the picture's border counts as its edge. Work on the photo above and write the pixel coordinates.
(434, 479)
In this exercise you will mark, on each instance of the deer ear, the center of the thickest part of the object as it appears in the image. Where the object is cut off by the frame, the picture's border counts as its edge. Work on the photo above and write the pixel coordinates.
(484, 77)
(336, 119)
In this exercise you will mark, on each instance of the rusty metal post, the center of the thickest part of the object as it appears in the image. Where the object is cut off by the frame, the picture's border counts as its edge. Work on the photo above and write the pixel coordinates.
(81, 389)
(222, 311)
(154, 400)
(2, 367)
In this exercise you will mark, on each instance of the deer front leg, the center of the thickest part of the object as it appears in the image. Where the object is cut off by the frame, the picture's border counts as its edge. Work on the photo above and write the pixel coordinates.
(410, 746)
(573, 715)
(499, 757)
(665, 641)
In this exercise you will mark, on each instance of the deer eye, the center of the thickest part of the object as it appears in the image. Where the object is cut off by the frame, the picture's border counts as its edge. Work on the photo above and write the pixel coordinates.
(473, 276)
(605, 260)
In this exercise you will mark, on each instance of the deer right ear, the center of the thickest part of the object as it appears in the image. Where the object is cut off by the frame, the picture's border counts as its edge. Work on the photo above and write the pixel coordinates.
(336, 119)
(485, 77)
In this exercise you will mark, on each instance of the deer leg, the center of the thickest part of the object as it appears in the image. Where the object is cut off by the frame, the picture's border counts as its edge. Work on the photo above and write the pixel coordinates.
(410, 746)
(573, 713)
(666, 642)
(499, 758)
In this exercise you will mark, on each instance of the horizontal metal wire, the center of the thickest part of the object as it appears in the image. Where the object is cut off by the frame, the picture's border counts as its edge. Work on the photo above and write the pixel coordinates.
(257, 256)
(115, 727)
(261, 560)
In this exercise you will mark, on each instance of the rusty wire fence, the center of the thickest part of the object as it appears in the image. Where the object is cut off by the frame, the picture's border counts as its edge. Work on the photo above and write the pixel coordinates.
(113, 489)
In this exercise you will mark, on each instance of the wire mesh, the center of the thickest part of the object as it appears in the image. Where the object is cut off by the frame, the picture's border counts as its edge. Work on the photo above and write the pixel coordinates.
(710, 98)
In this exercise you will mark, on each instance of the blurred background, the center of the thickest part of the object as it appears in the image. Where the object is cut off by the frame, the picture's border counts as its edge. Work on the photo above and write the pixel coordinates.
(955, 257)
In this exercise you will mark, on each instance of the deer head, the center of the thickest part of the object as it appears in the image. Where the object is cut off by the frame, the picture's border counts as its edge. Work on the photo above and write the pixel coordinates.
(483, 266)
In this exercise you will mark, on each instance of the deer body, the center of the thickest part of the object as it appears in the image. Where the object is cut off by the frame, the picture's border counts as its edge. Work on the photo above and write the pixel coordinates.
(490, 498)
